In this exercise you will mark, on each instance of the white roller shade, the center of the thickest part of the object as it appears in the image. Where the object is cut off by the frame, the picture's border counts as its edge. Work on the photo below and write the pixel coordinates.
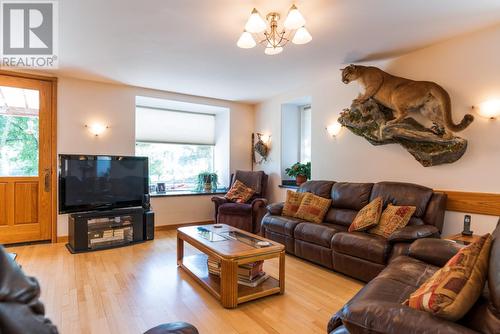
(167, 126)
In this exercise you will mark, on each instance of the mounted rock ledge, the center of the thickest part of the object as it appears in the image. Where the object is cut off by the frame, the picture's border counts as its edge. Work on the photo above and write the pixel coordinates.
(428, 146)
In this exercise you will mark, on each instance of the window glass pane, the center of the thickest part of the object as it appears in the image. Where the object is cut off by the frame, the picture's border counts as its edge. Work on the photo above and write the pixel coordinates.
(305, 135)
(176, 165)
(18, 131)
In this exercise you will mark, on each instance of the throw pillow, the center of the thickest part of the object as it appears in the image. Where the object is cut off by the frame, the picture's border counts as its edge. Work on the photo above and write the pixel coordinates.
(455, 288)
(292, 203)
(313, 208)
(367, 217)
(392, 219)
(239, 192)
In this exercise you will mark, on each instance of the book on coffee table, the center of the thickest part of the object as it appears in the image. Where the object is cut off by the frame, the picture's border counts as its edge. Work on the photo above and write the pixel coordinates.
(253, 282)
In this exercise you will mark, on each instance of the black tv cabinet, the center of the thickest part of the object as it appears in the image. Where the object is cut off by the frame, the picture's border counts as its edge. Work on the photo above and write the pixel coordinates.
(97, 230)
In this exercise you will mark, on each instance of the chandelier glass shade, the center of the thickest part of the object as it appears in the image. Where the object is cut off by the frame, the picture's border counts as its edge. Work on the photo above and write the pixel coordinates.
(271, 35)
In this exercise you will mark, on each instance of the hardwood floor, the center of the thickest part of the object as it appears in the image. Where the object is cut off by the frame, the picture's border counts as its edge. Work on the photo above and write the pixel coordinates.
(131, 289)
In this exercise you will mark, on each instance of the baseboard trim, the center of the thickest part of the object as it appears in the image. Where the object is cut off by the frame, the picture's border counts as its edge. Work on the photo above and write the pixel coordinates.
(176, 226)
(62, 238)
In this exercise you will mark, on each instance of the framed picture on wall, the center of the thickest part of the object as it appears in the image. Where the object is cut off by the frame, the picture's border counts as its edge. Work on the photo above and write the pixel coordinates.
(160, 187)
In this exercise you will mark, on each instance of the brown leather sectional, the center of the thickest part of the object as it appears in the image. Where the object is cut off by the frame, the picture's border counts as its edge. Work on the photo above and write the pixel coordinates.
(377, 308)
(358, 254)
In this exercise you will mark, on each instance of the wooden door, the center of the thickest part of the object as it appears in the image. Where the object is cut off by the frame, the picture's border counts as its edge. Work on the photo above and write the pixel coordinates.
(27, 152)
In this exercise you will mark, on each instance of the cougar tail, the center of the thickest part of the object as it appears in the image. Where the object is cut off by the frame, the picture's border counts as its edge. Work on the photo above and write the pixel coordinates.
(445, 101)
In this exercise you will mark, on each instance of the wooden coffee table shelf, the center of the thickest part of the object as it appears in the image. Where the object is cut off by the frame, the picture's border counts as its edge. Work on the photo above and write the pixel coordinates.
(230, 253)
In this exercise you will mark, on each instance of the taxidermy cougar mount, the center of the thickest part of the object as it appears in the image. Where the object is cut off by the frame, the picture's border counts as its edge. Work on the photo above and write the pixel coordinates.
(404, 96)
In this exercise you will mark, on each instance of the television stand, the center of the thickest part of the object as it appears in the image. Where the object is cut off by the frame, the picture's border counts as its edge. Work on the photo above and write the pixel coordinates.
(96, 230)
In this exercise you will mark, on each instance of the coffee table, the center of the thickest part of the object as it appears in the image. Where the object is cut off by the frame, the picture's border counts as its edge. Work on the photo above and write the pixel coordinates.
(232, 247)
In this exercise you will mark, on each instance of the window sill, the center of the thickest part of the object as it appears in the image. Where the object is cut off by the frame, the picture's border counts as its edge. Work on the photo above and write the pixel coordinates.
(179, 193)
(288, 186)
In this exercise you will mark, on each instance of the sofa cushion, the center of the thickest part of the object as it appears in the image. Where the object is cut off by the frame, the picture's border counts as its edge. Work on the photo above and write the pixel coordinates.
(281, 224)
(363, 245)
(367, 217)
(454, 289)
(407, 270)
(354, 196)
(313, 208)
(319, 234)
(319, 188)
(238, 209)
(292, 203)
(340, 216)
(398, 193)
(392, 219)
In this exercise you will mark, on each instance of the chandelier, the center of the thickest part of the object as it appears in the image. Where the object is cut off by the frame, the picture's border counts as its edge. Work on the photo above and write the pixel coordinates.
(269, 34)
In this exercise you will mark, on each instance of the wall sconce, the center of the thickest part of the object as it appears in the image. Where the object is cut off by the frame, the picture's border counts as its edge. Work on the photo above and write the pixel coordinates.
(334, 129)
(96, 129)
(489, 109)
(265, 138)
(260, 147)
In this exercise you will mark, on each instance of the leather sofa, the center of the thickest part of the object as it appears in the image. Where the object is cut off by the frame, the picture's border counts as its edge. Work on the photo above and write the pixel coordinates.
(357, 254)
(377, 308)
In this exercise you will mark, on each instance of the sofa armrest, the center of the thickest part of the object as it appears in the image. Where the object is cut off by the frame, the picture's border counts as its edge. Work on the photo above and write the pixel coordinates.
(275, 209)
(374, 316)
(434, 251)
(414, 232)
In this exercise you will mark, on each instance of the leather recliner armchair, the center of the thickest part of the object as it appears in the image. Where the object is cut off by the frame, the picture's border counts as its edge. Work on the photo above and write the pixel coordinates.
(246, 216)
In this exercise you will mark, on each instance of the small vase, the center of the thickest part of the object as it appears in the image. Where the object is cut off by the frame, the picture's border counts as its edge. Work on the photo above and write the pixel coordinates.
(299, 179)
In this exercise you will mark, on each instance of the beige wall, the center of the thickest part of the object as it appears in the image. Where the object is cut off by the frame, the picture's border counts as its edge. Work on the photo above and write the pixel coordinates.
(82, 102)
(468, 67)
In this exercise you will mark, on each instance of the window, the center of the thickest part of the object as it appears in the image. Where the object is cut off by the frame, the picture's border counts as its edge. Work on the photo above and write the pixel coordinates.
(176, 165)
(18, 131)
(179, 145)
(305, 134)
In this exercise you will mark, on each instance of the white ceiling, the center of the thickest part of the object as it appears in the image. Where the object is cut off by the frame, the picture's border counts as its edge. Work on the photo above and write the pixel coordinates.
(189, 46)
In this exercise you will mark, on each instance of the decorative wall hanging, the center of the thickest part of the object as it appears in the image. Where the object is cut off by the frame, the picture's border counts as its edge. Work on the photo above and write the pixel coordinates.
(260, 148)
(381, 115)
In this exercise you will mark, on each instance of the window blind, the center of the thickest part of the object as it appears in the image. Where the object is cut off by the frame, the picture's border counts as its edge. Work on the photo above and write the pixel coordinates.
(170, 126)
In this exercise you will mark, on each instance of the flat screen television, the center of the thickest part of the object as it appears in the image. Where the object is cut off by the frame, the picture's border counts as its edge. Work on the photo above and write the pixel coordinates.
(97, 182)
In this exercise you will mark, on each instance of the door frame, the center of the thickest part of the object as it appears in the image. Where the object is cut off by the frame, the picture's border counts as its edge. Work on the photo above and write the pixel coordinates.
(53, 137)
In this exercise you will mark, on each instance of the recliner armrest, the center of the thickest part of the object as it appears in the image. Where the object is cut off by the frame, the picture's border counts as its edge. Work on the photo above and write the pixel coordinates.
(414, 232)
(259, 203)
(375, 316)
(275, 209)
(219, 200)
(434, 251)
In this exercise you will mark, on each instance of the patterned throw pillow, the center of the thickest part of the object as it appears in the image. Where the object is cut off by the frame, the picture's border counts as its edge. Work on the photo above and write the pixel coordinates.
(239, 192)
(392, 219)
(292, 203)
(455, 288)
(313, 208)
(368, 216)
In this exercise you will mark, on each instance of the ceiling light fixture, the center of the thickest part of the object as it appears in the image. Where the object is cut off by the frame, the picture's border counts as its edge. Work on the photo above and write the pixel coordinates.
(270, 35)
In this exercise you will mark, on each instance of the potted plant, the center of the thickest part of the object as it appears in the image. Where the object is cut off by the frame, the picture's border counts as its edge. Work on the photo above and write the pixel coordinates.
(207, 181)
(301, 172)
